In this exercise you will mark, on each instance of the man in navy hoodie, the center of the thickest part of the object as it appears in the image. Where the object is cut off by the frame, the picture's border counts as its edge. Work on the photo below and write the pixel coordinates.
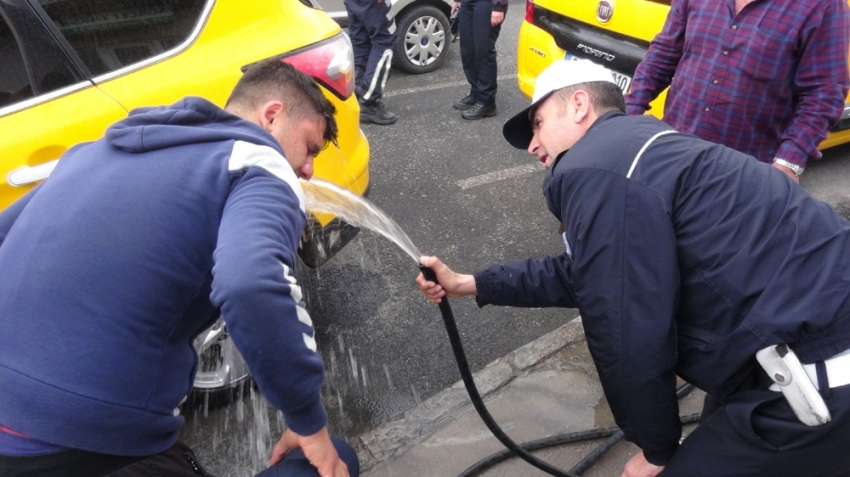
(129, 250)
(685, 258)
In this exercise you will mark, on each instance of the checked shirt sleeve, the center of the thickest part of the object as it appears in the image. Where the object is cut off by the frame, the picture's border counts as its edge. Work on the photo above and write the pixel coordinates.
(656, 71)
(821, 83)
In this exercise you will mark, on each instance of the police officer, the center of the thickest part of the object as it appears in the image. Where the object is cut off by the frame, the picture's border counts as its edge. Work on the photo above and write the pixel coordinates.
(685, 258)
(372, 30)
(479, 24)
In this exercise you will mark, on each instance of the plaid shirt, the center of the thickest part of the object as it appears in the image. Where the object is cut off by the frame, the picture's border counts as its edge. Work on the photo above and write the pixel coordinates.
(769, 81)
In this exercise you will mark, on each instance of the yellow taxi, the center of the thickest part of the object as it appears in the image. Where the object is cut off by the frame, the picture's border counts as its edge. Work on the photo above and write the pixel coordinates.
(591, 29)
(71, 68)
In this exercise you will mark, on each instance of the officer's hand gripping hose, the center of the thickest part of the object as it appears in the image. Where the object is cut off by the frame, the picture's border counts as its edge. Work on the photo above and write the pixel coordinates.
(614, 434)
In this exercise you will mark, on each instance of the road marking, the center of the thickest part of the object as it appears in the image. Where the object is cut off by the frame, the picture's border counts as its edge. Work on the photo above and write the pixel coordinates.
(451, 84)
(491, 177)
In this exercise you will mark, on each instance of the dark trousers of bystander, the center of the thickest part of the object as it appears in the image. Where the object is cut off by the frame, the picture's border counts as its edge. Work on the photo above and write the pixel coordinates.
(478, 49)
(373, 36)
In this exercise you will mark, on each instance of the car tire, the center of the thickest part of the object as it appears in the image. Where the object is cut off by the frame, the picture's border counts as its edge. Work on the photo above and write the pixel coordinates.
(221, 368)
(423, 39)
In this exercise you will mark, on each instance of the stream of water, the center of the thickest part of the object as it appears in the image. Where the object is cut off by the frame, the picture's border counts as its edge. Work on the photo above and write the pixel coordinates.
(323, 196)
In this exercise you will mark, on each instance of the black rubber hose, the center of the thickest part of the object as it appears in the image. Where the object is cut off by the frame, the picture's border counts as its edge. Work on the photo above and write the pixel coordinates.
(557, 440)
(513, 449)
(603, 448)
(472, 390)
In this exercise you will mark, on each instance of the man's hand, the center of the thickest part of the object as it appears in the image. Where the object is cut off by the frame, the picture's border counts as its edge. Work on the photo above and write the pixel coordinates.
(496, 18)
(788, 172)
(455, 6)
(451, 284)
(638, 466)
(318, 449)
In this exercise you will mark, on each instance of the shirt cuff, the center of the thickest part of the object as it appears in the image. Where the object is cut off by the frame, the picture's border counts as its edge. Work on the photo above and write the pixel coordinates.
(660, 458)
(486, 287)
(307, 420)
(636, 109)
(793, 154)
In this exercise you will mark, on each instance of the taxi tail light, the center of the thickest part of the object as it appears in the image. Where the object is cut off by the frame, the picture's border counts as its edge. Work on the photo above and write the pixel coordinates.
(529, 11)
(330, 62)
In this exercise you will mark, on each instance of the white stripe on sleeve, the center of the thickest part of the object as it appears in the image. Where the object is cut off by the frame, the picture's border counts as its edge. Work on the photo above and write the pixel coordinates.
(301, 312)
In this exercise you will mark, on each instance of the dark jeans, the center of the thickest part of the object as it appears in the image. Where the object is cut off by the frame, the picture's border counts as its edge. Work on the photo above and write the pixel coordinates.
(478, 49)
(755, 433)
(177, 461)
(373, 38)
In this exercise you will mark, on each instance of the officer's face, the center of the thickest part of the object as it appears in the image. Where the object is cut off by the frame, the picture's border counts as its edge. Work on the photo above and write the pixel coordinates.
(556, 128)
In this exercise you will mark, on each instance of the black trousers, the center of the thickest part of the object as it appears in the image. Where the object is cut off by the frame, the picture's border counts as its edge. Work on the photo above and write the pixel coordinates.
(755, 433)
(177, 461)
(478, 49)
(373, 38)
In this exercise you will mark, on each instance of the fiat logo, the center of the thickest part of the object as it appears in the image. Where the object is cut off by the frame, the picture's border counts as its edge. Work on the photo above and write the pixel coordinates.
(605, 10)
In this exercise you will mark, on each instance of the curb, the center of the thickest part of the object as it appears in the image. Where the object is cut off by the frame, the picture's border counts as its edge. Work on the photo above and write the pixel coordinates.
(410, 427)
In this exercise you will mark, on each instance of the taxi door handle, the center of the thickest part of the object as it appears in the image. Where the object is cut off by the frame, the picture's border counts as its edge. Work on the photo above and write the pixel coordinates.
(27, 175)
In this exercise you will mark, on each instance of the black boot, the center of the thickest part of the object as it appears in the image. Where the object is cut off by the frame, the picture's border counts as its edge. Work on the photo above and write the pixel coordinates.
(464, 103)
(374, 112)
(478, 111)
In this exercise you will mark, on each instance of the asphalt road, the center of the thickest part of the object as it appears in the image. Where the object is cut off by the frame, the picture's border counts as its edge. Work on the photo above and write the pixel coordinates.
(461, 193)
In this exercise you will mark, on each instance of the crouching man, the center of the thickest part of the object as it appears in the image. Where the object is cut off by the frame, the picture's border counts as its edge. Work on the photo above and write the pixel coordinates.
(130, 249)
(685, 258)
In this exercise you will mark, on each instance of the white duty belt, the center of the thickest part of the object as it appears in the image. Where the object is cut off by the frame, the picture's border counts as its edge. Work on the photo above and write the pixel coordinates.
(837, 372)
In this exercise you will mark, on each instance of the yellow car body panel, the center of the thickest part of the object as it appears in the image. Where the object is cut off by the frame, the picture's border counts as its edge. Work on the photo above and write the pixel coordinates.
(43, 133)
(638, 19)
(235, 34)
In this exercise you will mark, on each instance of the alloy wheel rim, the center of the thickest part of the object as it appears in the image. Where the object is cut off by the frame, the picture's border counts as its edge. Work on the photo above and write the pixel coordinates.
(424, 41)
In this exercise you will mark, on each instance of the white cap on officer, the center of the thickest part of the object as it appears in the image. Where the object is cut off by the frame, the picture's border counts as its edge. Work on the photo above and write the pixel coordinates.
(558, 75)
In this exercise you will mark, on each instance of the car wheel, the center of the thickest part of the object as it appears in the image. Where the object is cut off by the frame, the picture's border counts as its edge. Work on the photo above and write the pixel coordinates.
(220, 365)
(423, 39)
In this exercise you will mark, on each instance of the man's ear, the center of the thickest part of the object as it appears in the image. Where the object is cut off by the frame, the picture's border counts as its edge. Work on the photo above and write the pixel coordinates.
(271, 112)
(581, 101)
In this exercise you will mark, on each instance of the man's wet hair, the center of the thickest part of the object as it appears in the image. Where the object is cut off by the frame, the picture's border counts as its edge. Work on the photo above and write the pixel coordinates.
(604, 96)
(275, 80)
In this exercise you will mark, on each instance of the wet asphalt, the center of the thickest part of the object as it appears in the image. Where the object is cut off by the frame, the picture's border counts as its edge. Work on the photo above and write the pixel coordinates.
(384, 347)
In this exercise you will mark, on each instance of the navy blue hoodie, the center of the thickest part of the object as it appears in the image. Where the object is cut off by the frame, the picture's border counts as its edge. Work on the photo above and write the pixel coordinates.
(128, 251)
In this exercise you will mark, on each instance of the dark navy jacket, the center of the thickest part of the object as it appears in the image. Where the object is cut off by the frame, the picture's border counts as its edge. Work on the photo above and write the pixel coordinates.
(686, 260)
(125, 254)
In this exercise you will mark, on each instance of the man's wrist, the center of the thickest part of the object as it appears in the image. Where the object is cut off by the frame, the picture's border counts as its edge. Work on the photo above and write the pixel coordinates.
(466, 285)
(797, 170)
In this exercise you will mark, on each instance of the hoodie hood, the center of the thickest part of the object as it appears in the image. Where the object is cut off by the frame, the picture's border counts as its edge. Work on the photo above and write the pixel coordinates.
(191, 120)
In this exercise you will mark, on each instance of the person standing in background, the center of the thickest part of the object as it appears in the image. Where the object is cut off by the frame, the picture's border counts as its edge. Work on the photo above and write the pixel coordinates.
(479, 25)
(766, 78)
(372, 30)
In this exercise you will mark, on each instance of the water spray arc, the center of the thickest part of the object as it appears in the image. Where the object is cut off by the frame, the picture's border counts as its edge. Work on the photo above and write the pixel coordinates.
(325, 197)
